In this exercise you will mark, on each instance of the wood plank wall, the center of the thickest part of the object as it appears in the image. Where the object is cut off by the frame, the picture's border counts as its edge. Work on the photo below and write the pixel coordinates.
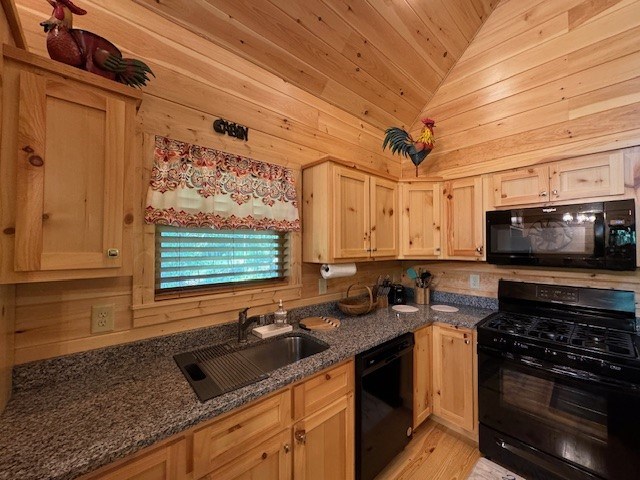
(7, 327)
(196, 82)
(542, 81)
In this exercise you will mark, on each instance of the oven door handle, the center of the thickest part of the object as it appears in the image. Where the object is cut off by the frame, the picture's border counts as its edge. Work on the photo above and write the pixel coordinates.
(570, 373)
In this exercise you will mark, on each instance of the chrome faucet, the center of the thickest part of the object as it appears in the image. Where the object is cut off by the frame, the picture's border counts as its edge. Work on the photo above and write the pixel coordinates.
(244, 323)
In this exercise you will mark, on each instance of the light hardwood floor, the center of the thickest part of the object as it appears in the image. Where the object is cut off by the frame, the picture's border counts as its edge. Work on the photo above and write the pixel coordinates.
(435, 453)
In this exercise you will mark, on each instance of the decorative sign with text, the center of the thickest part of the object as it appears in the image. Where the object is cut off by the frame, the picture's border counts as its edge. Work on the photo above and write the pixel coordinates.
(232, 129)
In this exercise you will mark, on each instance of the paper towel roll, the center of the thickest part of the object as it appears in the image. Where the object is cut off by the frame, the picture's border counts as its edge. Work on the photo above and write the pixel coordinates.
(339, 270)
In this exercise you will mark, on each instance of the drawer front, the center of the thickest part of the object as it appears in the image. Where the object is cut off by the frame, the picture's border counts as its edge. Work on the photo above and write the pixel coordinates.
(322, 389)
(271, 460)
(228, 438)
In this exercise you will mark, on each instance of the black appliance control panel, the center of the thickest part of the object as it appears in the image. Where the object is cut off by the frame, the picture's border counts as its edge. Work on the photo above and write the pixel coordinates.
(554, 293)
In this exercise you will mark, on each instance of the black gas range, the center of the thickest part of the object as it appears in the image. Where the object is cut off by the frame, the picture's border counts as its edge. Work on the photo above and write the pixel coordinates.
(559, 382)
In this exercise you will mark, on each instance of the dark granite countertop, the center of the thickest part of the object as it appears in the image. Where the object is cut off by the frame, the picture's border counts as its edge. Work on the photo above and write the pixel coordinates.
(71, 415)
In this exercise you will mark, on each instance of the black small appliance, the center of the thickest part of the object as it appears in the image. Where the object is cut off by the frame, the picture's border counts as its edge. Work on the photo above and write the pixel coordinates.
(599, 235)
(397, 295)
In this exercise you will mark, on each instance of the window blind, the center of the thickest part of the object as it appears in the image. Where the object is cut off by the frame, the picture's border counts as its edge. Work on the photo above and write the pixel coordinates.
(194, 258)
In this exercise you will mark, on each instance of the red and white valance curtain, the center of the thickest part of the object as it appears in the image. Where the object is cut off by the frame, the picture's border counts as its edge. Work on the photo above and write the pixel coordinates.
(195, 186)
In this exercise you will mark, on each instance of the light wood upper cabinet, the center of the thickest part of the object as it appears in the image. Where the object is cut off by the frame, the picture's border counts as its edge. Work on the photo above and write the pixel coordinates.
(422, 381)
(592, 176)
(517, 187)
(464, 218)
(351, 214)
(453, 377)
(597, 175)
(348, 215)
(384, 217)
(420, 229)
(65, 154)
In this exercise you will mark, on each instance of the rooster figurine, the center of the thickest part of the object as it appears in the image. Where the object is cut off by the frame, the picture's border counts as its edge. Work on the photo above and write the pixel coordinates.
(400, 141)
(88, 51)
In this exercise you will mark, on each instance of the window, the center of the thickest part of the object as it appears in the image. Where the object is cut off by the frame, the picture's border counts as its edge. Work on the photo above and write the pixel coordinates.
(189, 259)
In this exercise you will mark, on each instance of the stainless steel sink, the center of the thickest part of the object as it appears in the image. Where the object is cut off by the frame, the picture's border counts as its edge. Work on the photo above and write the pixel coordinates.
(283, 351)
(215, 370)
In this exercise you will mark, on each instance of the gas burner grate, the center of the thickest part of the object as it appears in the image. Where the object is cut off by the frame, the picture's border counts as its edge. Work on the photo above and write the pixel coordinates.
(603, 340)
(553, 330)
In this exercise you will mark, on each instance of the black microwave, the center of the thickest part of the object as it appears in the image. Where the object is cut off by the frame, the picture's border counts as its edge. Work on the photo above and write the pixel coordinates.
(589, 235)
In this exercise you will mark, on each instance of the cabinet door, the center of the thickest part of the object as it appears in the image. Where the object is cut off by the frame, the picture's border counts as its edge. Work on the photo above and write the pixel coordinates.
(420, 226)
(324, 443)
(422, 365)
(384, 218)
(271, 460)
(453, 376)
(351, 215)
(522, 186)
(464, 218)
(596, 175)
(224, 440)
(165, 463)
(70, 167)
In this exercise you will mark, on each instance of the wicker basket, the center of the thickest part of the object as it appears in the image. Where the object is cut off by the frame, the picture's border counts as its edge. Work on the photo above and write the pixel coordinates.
(357, 305)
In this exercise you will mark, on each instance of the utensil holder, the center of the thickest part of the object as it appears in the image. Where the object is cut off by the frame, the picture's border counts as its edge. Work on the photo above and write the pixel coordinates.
(422, 295)
(383, 301)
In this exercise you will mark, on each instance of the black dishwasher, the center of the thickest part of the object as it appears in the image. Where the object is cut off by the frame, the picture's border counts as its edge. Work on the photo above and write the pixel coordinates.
(384, 404)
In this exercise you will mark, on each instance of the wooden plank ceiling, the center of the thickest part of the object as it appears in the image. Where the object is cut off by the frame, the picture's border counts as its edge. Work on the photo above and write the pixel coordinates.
(380, 60)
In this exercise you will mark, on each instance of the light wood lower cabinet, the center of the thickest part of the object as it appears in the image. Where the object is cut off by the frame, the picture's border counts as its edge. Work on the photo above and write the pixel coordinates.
(324, 443)
(454, 377)
(422, 381)
(221, 443)
(271, 460)
(168, 462)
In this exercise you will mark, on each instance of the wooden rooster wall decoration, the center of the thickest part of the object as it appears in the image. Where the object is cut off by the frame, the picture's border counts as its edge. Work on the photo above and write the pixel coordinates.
(88, 51)
(400, 141)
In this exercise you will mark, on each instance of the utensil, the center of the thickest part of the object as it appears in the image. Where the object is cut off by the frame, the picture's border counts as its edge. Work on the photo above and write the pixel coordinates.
(411, 273)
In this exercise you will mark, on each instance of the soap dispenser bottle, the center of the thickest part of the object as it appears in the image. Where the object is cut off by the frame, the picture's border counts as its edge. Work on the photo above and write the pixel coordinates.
(280, 315)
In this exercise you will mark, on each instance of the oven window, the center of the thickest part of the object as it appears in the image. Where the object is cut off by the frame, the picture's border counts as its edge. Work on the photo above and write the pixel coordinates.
(556, 404)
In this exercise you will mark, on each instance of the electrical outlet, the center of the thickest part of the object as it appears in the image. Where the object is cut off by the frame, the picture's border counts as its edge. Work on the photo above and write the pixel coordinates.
(474, 281)
(322, 286)
(102, 318)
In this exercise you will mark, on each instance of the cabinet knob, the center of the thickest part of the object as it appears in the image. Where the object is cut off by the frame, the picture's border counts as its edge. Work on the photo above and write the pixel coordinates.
(479, 249)
(555, 192)
(287, 448)
(327, 377)
(301, 436)
(467, 342)
(375, 249)
(113, 253)
(543, 193)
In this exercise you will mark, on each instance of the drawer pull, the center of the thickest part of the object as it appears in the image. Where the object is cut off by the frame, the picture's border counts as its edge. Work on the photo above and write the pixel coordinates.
(287, 448)
(327, 377)
(264, 455)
